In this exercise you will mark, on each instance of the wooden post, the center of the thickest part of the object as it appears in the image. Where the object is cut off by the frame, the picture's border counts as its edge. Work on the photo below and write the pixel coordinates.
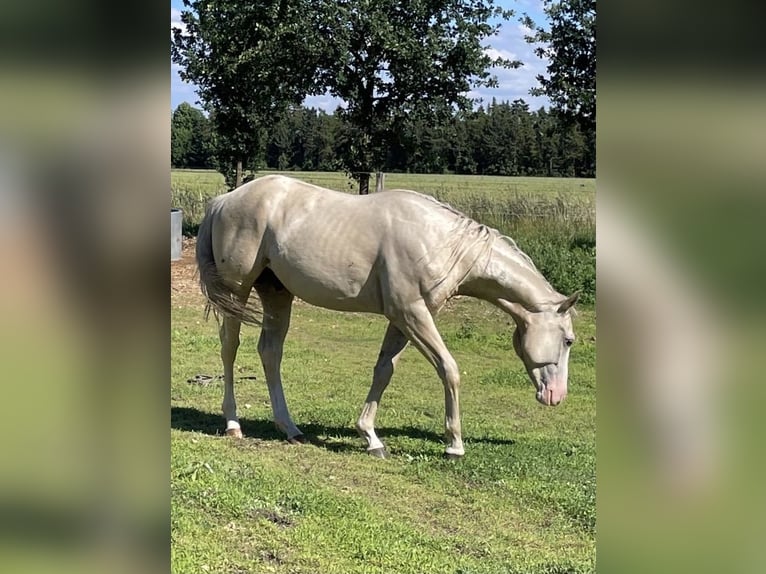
(380, 181)
(364, 183)
(238, 179)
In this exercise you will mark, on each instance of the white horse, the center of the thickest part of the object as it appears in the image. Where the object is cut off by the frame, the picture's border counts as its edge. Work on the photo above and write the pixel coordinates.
(396, 253)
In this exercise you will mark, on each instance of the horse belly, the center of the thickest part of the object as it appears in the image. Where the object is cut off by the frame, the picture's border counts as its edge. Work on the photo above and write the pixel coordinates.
(342, 287)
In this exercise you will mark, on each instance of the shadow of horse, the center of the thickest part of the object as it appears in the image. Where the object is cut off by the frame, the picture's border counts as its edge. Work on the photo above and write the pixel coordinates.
(193, 420)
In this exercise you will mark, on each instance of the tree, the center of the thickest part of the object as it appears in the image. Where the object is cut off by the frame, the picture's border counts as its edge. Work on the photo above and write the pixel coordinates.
(391, 60)
(570, 47)
(505, 139)
(191, 138)
(250, 62)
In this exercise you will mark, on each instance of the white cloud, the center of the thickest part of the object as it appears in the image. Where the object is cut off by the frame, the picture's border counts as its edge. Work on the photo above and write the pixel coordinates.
(324, 102)
(495, 53)
(175, 20)
(514, 84)
(524, 30)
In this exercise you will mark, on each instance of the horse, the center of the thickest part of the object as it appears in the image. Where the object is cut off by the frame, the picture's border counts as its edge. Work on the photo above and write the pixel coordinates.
(396, 253)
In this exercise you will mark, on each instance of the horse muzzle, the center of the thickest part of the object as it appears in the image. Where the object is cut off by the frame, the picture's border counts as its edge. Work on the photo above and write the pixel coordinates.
(550, 397)
(552, 389)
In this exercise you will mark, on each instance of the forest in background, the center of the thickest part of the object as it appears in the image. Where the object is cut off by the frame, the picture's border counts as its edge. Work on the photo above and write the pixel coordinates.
(501, 138)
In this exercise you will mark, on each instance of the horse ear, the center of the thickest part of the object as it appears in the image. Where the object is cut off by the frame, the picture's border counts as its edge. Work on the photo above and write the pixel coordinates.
(567, 303)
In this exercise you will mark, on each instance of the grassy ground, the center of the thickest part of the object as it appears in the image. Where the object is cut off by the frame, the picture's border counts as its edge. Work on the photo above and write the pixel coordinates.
(522, 500)
(485, 194)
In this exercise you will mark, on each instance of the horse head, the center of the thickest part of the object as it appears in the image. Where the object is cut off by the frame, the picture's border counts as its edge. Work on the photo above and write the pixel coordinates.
(542, 341)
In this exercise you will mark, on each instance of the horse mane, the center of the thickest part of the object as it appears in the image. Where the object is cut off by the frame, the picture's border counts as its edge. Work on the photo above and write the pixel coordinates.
(468, 228)
(465, 234)
(470, 225)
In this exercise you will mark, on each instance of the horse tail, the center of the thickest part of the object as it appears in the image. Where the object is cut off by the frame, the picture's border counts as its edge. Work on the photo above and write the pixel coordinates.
(220, 297)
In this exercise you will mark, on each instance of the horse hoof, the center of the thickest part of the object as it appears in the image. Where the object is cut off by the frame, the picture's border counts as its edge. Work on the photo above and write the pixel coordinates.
(297, 439)
(234, 433)
(452, 456)
(378, 452)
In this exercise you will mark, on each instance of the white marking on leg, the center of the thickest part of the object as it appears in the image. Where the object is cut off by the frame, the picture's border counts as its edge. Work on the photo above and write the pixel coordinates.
(366, 426)
(229, 335)
(282, 418)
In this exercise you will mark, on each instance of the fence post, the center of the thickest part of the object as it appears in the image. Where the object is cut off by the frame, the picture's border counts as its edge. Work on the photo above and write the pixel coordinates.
(380, 181)
(364, 183)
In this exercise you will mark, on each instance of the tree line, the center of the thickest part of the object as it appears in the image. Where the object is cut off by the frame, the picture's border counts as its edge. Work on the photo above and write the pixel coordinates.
(501, 138)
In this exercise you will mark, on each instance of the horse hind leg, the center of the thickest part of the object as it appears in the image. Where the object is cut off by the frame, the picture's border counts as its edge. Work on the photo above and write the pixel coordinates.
(277, 305)
(229, 335)
(394, 343)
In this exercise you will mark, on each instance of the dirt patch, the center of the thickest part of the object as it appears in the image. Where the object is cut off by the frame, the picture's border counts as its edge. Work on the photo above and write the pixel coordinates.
(184, 281)
(274, 516)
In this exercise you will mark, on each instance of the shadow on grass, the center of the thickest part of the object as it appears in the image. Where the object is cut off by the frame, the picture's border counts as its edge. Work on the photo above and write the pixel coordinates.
(194, 420)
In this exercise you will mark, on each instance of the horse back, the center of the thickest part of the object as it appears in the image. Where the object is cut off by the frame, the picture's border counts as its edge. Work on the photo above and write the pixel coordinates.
(332, 249)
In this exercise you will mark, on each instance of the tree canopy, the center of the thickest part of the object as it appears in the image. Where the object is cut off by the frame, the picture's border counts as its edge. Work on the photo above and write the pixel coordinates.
(390, 61)
(191, 138)
(568, 42)
(503, 138)
(250, 61)
(395, 63)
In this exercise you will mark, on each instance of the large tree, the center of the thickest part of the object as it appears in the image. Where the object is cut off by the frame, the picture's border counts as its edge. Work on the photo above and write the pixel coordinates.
(389, 61)
(250, 61)
(191, 138)
(393, 62)
(568, 42)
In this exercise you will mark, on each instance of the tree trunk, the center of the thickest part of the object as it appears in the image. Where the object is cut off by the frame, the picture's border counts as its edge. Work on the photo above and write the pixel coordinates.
(364, 183)
(238, 180)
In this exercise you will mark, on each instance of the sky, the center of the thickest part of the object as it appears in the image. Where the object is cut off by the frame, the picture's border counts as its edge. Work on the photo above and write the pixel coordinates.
(509, 42)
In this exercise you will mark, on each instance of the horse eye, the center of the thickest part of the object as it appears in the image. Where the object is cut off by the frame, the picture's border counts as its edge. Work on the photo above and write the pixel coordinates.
(568, 341)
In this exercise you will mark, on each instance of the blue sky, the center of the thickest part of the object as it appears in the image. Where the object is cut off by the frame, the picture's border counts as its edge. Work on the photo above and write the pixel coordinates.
(509, 42)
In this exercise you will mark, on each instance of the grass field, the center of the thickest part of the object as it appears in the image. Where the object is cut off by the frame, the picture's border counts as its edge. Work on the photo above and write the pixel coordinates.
(425, 183)
(521, 501)
(481, 197)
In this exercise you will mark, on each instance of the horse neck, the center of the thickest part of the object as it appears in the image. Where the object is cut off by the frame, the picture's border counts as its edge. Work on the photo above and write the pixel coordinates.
(509, 275)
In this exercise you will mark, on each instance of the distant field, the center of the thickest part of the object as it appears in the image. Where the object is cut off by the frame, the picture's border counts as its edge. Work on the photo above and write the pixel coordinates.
(447, 187)
(447, 184)
(486, 198)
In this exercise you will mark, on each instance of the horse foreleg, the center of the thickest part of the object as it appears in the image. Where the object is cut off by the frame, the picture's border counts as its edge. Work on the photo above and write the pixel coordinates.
(277, 305)
(229, 334)
(419, 326)
(394, 343)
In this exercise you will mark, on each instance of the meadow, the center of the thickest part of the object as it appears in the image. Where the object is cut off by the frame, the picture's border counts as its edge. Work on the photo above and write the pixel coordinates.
(482, 196)
(522, 500)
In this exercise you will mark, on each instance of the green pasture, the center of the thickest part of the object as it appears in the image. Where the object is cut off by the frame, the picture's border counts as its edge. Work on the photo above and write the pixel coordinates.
(192, 188)
(521, 501)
